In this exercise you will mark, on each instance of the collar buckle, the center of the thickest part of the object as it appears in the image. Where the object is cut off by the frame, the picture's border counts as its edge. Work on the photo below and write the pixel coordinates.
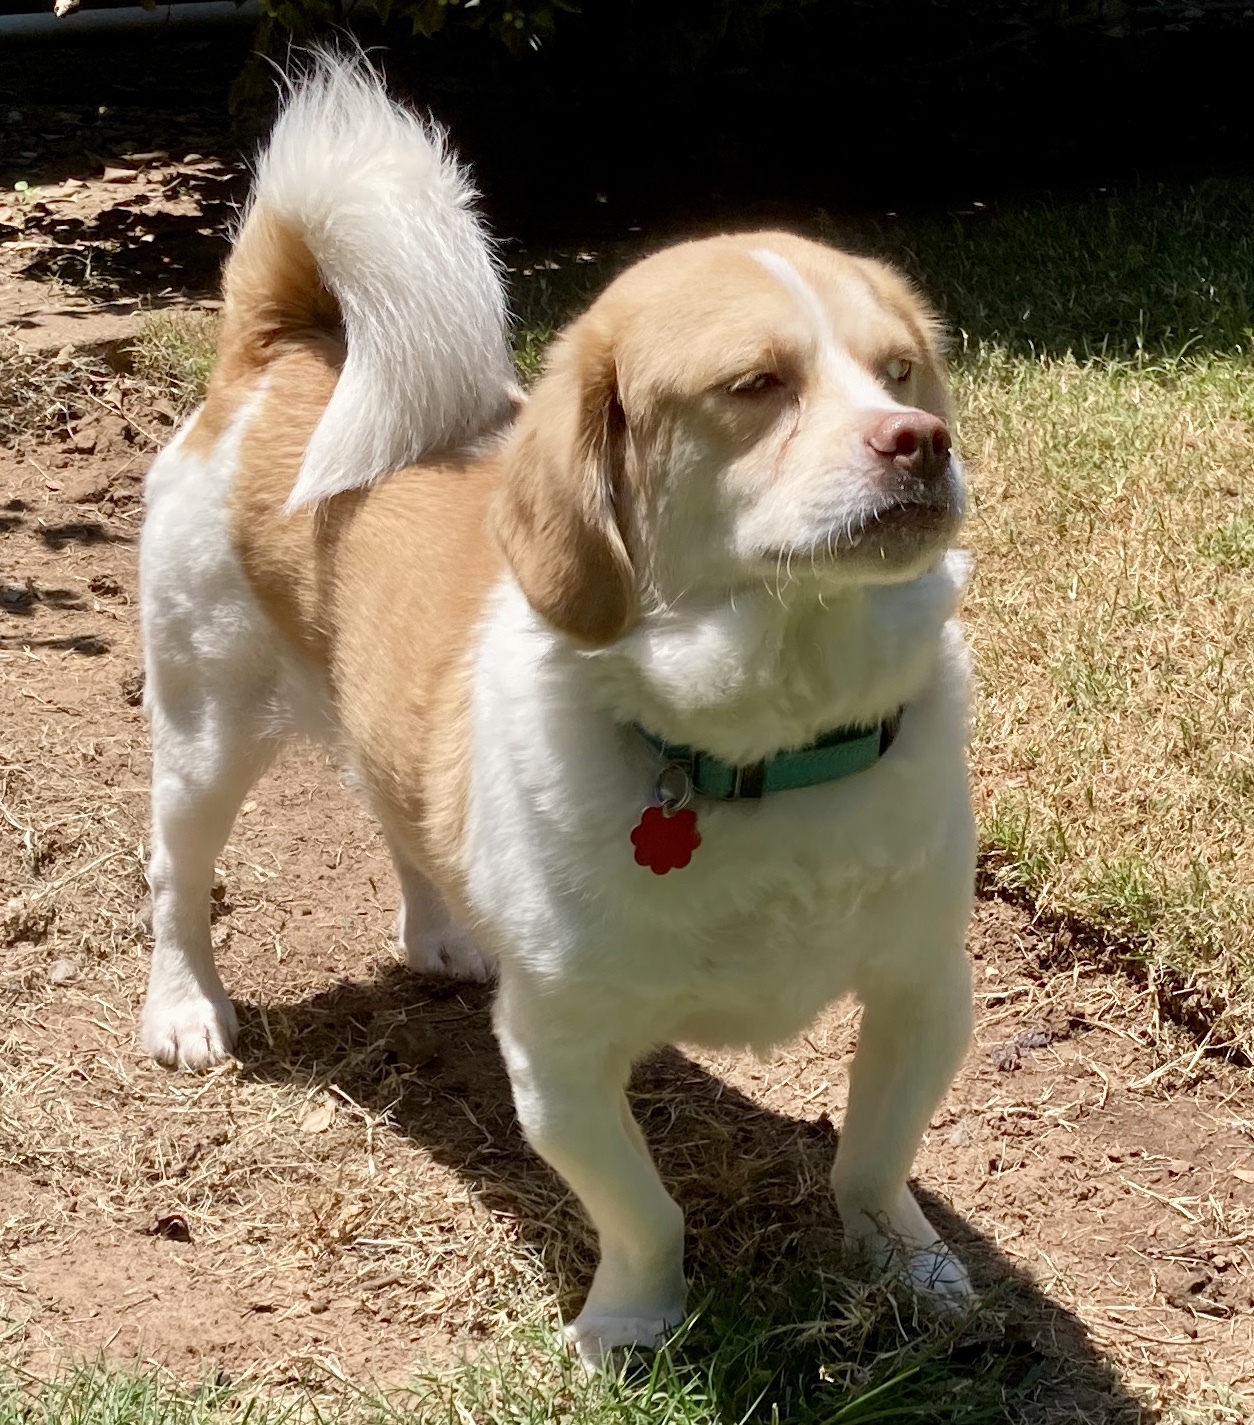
(748, 782)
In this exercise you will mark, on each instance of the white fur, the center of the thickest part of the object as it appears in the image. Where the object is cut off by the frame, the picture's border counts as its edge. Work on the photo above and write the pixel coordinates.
(862, 388)
(210, 682)
(387, 214)
(859, 887)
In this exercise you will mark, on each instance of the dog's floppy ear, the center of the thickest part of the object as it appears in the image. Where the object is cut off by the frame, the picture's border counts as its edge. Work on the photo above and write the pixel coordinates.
(560, 511)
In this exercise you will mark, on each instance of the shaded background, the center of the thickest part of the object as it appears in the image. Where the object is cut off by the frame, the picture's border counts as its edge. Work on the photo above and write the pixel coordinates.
(658, 113)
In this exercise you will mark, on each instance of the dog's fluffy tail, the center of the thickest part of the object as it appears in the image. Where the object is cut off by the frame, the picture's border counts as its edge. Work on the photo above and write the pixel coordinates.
(360, 223)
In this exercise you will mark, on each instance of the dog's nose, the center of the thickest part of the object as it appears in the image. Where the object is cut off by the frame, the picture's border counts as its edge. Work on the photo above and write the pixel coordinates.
(915, 441)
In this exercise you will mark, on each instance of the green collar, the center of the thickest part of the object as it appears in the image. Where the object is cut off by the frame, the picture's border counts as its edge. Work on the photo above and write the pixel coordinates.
(841, 753)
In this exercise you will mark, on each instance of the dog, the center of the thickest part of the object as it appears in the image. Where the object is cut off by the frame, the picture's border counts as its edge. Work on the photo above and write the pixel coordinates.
(653, 679)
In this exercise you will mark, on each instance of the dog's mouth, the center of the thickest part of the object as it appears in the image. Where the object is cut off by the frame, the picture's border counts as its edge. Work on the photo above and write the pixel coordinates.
(902, 518)
(890, 533)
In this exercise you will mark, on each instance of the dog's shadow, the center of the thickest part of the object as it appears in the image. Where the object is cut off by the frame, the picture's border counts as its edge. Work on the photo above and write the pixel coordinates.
(763, 1235)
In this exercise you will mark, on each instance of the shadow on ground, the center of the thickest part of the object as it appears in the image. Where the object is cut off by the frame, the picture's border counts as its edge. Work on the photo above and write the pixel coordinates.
(132, 252)
(763, 1237)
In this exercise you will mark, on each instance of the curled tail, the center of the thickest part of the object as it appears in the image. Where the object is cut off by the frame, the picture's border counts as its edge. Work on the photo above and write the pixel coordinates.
(360, 223)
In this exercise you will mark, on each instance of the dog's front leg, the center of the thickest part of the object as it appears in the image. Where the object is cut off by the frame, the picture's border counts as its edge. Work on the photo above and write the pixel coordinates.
(568, 1090)
(910, 1044)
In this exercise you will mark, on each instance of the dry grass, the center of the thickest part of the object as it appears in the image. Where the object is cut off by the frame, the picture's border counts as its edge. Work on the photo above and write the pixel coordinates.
(366, 1156)
(1113, 623)
(340, 1163)
(173, 355)
(39, 395)
(43, 396)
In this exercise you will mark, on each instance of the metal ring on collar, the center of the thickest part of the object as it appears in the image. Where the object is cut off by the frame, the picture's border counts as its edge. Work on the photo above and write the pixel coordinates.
(673, 788)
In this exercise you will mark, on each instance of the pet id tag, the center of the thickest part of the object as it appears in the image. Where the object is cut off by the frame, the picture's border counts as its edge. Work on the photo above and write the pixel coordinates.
(666, 834)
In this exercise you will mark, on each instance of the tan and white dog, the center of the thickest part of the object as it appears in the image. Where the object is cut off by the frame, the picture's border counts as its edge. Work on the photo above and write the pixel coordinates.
(716, 533)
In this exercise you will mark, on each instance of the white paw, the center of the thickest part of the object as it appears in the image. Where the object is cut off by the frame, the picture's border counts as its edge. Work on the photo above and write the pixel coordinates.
(595, 1335)
(190, 1033)
(447, 952)
(937, 1275)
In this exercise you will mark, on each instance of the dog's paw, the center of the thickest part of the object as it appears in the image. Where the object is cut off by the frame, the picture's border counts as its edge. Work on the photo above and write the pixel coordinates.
(191, 1033)
(929, 1269)
(448, 952)
(940, 1278)
(595, 1336)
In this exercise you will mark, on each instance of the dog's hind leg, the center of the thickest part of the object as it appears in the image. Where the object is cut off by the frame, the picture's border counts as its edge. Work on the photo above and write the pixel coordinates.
(210, 689)
(434, 944)
(207, 753)
(569, 1093)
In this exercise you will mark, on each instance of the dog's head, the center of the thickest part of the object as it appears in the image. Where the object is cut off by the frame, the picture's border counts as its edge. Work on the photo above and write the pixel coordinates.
(729, 412)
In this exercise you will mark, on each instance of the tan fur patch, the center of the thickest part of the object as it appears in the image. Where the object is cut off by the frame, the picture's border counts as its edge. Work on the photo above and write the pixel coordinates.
(273, 294)
(381, 590)
(560, 517)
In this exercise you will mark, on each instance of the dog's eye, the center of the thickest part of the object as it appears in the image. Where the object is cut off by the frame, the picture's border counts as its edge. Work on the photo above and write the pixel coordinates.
(753, 383)
(899, 369)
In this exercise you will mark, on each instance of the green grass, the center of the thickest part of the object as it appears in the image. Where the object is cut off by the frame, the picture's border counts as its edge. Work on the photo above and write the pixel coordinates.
(1105, 375)
(98, 1396)
(1112, 620)
(1104, 365)
(836, 1355)
(1231, 545)
(1134, 274)
(174, 354)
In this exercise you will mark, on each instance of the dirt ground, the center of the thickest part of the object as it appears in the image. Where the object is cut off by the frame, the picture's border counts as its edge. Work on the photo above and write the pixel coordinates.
(353, 1197)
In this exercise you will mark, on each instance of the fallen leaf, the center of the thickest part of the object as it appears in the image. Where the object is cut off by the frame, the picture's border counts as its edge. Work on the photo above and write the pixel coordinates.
(319, 1118)
(1245, 1175)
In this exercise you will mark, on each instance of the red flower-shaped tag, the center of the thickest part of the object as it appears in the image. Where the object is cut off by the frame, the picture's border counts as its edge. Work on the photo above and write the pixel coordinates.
(665, 843)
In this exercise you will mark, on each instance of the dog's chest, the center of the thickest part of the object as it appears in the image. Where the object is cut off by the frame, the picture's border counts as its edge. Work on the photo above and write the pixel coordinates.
(750, 940)
(783, 906)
